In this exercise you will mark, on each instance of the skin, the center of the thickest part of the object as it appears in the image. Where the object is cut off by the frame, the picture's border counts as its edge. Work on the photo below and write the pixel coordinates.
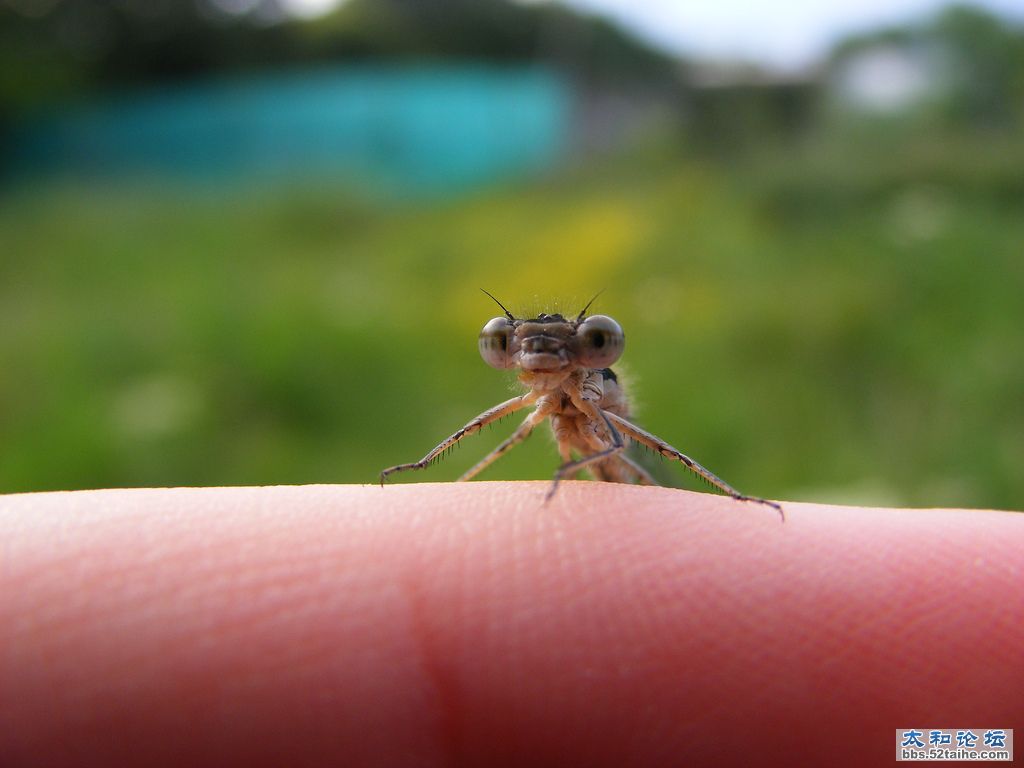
(471, 624)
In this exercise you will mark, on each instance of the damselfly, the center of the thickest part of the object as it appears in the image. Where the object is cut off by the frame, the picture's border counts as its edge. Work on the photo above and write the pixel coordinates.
(565, 365)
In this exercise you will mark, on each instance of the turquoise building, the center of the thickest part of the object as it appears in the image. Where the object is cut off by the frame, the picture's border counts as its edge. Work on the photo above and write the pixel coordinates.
(423, 129)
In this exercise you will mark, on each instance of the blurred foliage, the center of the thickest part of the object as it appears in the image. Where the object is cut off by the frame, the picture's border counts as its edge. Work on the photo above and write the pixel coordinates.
(972, 63)
(818, 306)
(981, 57)
(733, 119)
(53, 49)
(816, 324)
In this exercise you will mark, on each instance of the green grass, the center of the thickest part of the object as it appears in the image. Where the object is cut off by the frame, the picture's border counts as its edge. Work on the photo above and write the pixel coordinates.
(804, 333)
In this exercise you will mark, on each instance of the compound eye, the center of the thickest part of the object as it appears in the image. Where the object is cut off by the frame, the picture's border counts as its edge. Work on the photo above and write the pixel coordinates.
(496, 343)
(600, 341)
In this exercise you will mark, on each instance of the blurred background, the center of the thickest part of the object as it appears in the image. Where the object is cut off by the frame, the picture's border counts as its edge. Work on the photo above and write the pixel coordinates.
(242, 241)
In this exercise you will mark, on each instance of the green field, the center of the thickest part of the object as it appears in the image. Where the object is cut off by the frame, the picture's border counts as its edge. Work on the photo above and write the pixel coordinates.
(826, 326)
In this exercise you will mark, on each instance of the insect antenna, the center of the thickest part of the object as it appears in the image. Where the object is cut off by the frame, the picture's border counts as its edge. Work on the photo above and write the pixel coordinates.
(507, 313)
(583, 312)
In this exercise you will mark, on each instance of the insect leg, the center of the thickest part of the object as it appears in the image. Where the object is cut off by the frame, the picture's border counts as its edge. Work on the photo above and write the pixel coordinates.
(566, 435)
(485, 418)
(611, 471)
(642, 475)
(618, 468)
(659, 445)
(568, 468)
(565, 451)
(524, 430)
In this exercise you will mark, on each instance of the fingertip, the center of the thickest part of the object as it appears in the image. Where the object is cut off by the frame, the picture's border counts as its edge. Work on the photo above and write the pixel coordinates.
(612, 624)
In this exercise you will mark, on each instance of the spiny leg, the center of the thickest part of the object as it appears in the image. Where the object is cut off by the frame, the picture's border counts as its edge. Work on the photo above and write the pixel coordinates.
(618, 468)
(659, 445)
(521, 433)
(485, 418)
(568, 468)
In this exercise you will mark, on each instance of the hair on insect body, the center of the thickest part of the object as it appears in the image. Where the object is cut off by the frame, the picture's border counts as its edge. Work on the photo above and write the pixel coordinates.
(565, 365)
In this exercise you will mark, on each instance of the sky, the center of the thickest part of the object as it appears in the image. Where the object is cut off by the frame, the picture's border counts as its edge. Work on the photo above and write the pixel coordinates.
(784, 34)
(310, 8)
